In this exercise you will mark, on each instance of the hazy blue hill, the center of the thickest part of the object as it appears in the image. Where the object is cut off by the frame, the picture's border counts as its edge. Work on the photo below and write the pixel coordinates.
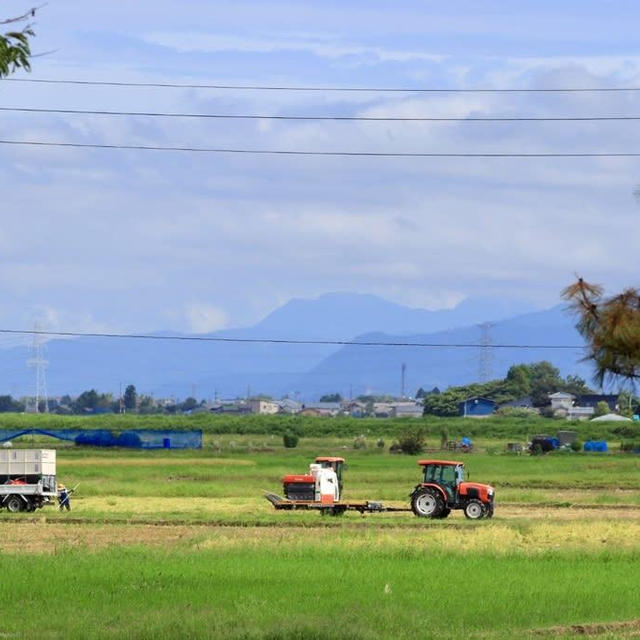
(179, 367)
(376, 370)
(340, 316)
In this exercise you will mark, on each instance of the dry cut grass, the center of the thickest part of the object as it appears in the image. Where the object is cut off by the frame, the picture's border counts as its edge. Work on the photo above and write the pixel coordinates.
(495, 537)
(45, 537)
(139, 461)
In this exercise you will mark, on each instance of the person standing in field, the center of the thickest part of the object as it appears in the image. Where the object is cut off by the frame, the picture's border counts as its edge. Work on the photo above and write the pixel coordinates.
(64, 498)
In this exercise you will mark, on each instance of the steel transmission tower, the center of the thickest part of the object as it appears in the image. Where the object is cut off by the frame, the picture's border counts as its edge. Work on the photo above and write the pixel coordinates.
(485, 357)
(39, 364)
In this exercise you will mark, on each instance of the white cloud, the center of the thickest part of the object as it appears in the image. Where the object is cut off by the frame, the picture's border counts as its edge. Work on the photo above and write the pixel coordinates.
(122, 238)
(327, 46)
(203, 317)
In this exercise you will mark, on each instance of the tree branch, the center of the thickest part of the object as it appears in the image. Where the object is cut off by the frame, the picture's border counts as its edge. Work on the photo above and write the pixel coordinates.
(25, 16)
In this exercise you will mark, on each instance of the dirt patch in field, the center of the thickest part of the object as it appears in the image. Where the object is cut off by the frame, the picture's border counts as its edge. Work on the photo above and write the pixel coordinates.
(154, 462)
(622, 629)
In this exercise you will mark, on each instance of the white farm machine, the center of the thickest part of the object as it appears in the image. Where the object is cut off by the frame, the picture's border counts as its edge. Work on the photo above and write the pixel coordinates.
(321, 489)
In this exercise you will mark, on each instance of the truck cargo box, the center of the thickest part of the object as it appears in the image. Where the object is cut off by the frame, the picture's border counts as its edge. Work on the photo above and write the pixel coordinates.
(27, 462)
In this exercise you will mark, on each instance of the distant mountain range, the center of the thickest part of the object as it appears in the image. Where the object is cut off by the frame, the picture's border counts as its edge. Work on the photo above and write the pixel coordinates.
(378, 370)
(179, 368)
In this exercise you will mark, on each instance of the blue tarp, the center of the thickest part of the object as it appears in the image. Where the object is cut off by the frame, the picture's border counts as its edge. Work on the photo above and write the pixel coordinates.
(599, 446)
(132, 438)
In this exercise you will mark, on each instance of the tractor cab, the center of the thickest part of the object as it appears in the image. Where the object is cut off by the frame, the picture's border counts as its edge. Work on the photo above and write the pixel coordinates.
(337, 464)
(444, 473)
(444, 488)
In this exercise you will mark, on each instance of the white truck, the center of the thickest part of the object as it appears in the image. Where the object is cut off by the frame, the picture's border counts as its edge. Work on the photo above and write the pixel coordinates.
(27, 479)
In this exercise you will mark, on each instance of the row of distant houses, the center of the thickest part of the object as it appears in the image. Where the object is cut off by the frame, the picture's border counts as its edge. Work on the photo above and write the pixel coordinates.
(354, 408)
(573, 407)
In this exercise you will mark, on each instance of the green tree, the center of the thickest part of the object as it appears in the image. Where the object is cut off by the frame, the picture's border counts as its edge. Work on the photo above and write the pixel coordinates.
(545, 379)
(331, 397)
(518, 380)
(412, 440)
(538, 380)
(91, 400)
(576, 385)
(445, 403)
(15, 51)
(7, 403)
(290, 439)
(189, 404)
(601, 409)
(86, 400)
(130, 398)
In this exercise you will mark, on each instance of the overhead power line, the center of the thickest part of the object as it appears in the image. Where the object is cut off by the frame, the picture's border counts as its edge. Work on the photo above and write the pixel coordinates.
(283, 152)
(237, 87)
(143, 336)
(230, 116)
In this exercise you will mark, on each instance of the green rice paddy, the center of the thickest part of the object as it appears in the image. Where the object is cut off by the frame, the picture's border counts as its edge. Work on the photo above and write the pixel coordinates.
(173, 544)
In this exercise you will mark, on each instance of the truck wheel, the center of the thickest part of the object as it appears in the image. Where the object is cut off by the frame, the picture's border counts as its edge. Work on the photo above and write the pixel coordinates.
(474, 510)
(427, 504)
(14, 504)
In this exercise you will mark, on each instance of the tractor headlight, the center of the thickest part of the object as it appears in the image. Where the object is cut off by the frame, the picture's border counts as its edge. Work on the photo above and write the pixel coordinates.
(490, 492)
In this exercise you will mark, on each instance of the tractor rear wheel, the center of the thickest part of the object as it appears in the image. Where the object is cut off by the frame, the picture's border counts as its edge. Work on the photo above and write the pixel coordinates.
(474, 510)
(427, 504)
(445, 513)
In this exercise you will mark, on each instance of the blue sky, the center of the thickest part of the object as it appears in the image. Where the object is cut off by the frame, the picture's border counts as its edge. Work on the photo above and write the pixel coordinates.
(108, 240)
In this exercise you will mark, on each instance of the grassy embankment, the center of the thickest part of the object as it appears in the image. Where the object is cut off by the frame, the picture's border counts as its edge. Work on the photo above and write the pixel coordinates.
(496, 428)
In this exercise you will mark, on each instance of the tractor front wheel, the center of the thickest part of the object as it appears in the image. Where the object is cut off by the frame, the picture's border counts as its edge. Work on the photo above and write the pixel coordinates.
(427, 504)
(474, 510)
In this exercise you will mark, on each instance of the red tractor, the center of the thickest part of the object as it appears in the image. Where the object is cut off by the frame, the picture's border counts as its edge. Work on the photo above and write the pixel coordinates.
(443, 488)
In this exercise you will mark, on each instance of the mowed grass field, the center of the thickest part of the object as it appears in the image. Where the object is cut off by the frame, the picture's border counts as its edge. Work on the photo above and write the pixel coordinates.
(171, 544)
